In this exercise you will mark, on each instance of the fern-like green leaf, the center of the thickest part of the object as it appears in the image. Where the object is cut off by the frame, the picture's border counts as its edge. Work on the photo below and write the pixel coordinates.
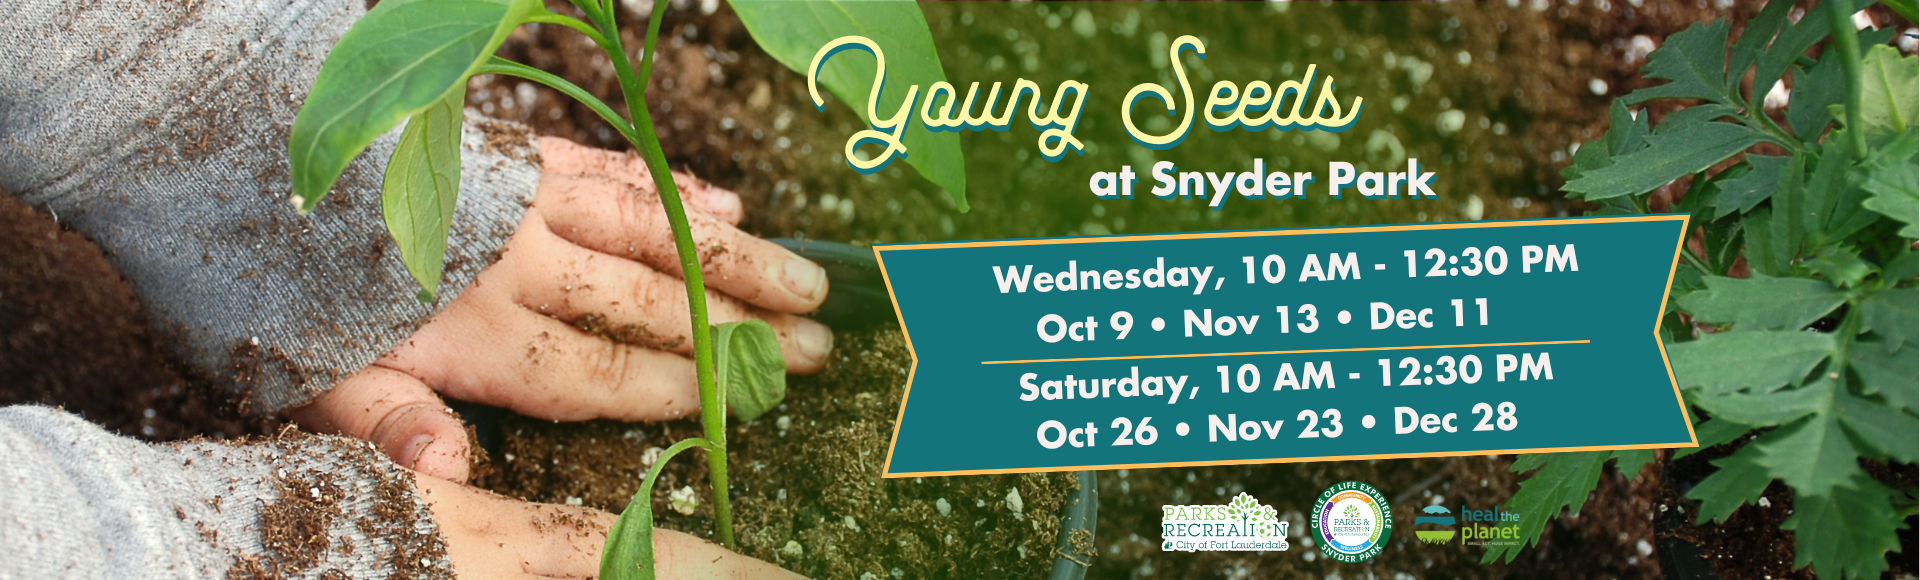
(1889, 177)
(1846, 532)
(1763, 360)
(1564, 480)
(1668, 156)
(1763, 303)
(1741, 193)
(1738, 481)
(1694, 61)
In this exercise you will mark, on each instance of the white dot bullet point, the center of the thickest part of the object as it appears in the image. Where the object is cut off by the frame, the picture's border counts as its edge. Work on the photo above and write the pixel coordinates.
(1180, 429)
(1367, 421)
(1345, 317)
(1159, 324)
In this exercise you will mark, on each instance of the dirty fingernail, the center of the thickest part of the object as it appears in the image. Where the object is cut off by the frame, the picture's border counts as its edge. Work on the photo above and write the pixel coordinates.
(804, 278)
(814, 340)
(416, 447)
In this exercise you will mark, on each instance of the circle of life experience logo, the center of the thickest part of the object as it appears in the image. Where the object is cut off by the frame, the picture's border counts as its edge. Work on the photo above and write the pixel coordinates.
(1351, 522)
(1243, 525)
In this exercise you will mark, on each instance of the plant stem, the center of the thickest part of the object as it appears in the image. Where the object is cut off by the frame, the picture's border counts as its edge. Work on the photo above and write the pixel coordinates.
(1848, 43)
(503, 66)
(569, 22)
(660, 464)
(713, 415)
(640, 133)
(713, 411)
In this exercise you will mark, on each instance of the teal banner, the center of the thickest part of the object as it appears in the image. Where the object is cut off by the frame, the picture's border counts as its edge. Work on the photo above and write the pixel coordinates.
(1285, 345)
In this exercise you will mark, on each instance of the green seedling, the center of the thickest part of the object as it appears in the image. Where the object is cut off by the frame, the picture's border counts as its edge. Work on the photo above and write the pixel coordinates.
(410, 60)
(1794, 316)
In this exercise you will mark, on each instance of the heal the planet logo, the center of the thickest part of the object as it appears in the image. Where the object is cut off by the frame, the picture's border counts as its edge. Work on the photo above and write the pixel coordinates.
(1488, 527)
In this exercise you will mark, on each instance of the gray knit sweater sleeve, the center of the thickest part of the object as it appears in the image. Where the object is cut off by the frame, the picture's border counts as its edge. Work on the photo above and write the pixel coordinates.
(158, 129)
(78, 502)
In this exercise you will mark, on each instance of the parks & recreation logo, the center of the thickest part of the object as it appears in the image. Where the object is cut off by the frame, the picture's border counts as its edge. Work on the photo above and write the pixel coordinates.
(1243, 525)
(1351, 522)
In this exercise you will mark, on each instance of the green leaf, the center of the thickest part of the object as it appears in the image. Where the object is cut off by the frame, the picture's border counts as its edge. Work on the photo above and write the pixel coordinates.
(1694, 60)
(1814, 91)
(1889, 96)
(1738, 481)
(1631, 461)
(1685, 119)
(1741, 193)
(631, 538)
(1564, 480)
(1884, 429)
(1847, 532)
(1762, 361)
(1767, 409)
(1686, 281)
(1889, 176)
(1526, 462)
(1792, 44)
(1894, 374)
(752, 372)
(792, 32)
(1904, 8)
(1668, 156)
(1760, 241)
(1841, 265)
(1826, 188)
(1763, 303)
(1713, 432)
(422, 182)
(1813, 455)
(400, 58)
(1774, 233)
(1754, 39)
(1892, 313)
(1626, 132)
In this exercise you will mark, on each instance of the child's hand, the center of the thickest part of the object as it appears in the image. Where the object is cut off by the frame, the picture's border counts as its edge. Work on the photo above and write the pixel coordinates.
(594, 251)
(489, 536)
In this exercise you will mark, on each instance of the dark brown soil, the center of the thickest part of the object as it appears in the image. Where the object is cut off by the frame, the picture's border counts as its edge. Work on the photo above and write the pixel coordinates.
(809, 473)
(72, 334)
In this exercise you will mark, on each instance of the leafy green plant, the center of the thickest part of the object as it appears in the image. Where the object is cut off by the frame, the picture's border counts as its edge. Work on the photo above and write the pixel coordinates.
(410, 60)
(1793, 314)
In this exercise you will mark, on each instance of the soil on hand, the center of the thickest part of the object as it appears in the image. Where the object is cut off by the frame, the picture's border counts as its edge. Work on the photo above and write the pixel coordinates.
(807, 491)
